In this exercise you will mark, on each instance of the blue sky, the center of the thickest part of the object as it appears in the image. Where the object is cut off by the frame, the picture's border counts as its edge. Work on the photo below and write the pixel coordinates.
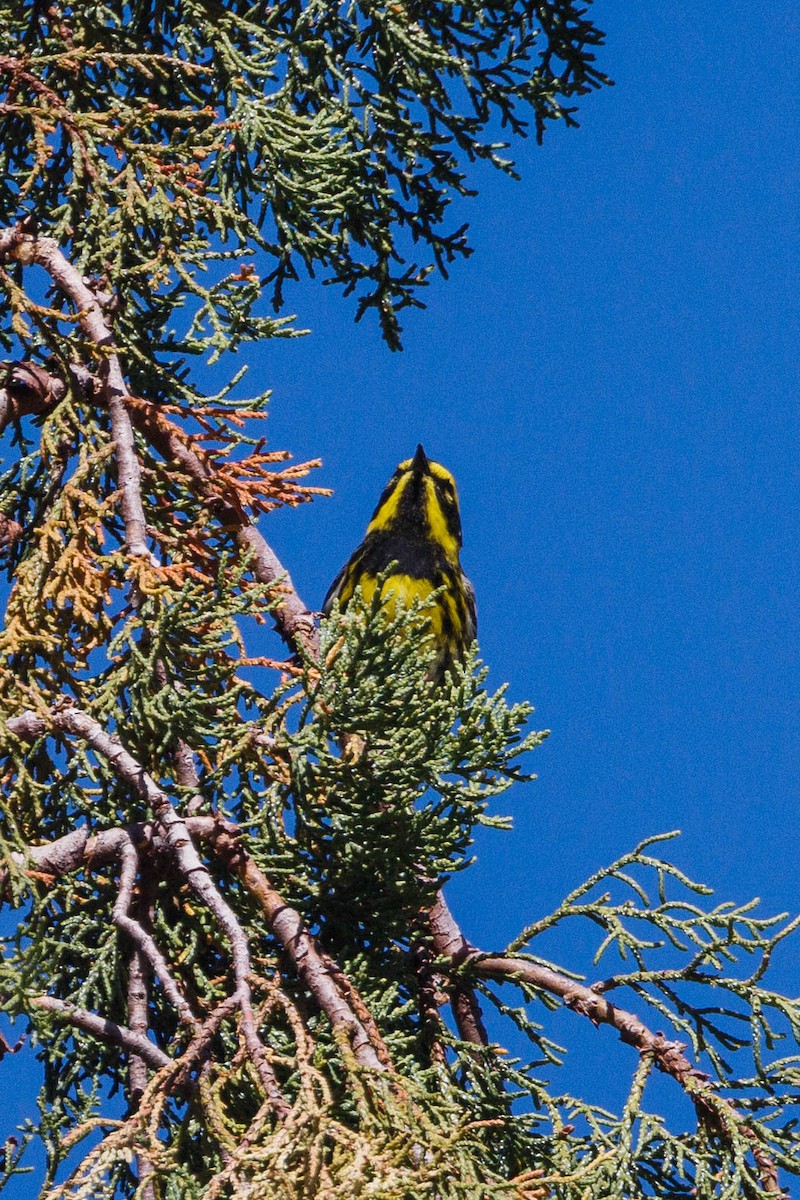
(613, 379)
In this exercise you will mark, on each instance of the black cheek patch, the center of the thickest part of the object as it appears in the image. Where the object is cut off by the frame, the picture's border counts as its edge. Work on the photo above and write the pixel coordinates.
(386, 493)
(452, 517)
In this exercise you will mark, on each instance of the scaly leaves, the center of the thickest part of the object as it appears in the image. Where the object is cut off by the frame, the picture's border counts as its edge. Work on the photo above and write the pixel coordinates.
(147, 137)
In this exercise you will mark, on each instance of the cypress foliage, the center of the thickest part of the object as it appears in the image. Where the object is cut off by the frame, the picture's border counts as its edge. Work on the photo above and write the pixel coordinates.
(226, 871)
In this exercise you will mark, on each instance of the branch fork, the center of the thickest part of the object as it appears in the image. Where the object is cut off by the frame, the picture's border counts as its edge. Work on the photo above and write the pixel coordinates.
(176, 834)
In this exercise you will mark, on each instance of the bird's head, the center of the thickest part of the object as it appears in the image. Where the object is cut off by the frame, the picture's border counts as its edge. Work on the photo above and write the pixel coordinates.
(420, 502)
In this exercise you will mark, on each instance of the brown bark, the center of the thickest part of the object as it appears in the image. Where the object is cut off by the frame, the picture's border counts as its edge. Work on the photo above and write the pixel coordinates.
(177, 834)
(45, 252)
(669, 1055)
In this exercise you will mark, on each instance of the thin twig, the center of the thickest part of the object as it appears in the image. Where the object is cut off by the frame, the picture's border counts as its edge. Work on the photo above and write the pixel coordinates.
(293, 620)
(138, 1007)
(142, 940)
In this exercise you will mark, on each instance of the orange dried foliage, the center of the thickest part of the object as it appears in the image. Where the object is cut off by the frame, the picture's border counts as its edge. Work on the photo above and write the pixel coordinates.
(64, 584)
(243, 483)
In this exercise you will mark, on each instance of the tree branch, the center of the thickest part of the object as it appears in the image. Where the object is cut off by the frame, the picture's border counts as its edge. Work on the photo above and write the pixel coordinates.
(293, 620)
(289, 928)
(450, 943)
(77, 848)
(66, 717)
(468, 1016)
(669, 1056)
(142, 941)
(27, 389)
(45, 252)
(138, 996)
(319, 973)
(104, 1030)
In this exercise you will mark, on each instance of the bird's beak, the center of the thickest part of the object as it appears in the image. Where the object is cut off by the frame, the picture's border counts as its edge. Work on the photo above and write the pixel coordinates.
(420, 462)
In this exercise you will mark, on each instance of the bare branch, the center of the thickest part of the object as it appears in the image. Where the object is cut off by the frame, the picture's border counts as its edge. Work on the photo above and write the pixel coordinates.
(78, 848)
(448, 939)
(138, 996)
(105, 1030)
(468, 1017)
(16, 244)
(449, 942)
(26, 389)
(67, 718)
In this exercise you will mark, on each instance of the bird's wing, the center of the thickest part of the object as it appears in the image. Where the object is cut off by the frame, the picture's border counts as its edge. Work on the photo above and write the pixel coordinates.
(472, 608)
(334, 591)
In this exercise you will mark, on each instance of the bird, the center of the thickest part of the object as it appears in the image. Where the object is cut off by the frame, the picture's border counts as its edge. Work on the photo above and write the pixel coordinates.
(416, 531)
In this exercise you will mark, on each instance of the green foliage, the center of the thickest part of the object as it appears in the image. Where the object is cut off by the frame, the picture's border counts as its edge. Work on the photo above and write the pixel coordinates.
(384, 786)
(358, 845)
(156, 140)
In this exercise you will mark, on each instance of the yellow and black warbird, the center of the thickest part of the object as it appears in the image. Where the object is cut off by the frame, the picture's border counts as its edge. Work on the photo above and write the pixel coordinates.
(417, 527)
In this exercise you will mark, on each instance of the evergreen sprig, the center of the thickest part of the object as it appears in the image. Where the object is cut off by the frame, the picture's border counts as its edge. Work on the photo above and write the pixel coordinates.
(148, 137)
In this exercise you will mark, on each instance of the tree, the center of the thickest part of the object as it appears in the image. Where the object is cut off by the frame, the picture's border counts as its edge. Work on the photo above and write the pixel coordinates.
(229, 881)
